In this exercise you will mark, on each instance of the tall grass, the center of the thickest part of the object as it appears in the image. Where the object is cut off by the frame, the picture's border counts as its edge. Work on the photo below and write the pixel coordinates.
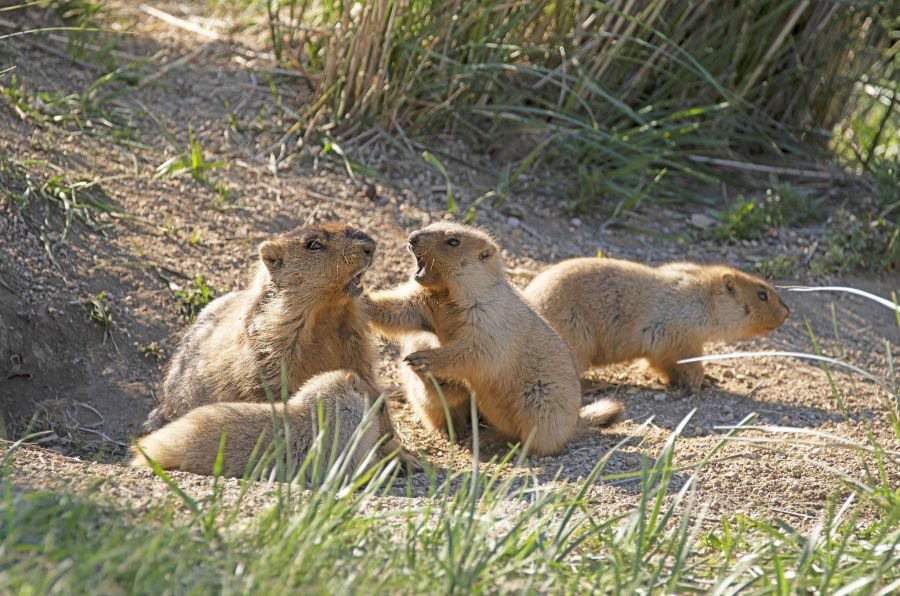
(477, 532)
(623, 93)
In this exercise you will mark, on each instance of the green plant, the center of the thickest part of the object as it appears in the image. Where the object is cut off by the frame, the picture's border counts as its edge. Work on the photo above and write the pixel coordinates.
(223, 193)
(789, 206)
(192, 298)
(81, 14)
(151, 350)
(450, 199)
(478, 530)
(14, 180)
(191, 161)
(885, 181)
(92, 109)
(744, 219)
(755, 218)
(169, 228)
(42, 106)
(97, 310)
(860, 242)
(590, 185)
(778, 267)
(81, 201)
(869, 137)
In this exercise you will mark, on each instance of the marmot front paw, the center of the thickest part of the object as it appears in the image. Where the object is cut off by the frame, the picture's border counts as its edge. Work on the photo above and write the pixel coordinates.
(420, 361)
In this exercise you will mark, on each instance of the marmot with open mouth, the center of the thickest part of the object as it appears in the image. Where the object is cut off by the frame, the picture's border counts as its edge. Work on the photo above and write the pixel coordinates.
(461, 321)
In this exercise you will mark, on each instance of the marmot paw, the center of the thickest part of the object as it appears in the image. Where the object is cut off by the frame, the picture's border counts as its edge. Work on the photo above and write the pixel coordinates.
(419, 361)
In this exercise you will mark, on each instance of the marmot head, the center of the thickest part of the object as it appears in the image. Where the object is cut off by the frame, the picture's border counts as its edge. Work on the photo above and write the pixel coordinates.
(346, 383)
(747, 305)
(448, 254)
(334, 382)
(323, 260)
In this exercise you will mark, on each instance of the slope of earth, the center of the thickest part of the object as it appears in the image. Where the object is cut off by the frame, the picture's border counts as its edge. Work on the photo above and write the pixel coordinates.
(101, 249)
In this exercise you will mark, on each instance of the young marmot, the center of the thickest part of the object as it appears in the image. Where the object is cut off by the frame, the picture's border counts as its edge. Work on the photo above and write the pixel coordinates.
(301, 316)
(610, 311)
(191, 443)
(482, 337)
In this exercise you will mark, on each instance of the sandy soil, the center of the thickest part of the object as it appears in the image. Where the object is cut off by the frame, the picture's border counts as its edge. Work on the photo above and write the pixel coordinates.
(58, 372)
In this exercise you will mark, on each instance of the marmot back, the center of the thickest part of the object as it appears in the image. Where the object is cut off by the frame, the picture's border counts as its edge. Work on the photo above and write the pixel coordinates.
(191, 443)
(610, 311)
(464, 323)
(302, 312)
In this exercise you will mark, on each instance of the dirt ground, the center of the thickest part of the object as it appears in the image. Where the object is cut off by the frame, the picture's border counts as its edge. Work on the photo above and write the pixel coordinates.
(62, 373)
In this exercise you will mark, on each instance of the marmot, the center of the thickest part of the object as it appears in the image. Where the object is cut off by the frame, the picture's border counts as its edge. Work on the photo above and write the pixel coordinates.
(301, 316)
(425, 398)
(191, 443)
(610, 310)
(482, 337)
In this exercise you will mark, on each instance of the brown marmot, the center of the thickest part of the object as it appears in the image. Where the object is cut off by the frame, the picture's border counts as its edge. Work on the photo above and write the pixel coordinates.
(463, 322)
(191, 443)
(301, 316)
(610, 310)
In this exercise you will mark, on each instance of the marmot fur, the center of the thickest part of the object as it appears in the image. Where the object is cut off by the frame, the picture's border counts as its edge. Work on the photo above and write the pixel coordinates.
(191, 443)
(482, 338)
(610, 310)
(301, 316)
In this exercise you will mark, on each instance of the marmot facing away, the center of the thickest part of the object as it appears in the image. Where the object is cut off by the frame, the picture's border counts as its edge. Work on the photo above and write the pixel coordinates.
(610, 311)
(191, 443)
(302, 315)
(483, 338)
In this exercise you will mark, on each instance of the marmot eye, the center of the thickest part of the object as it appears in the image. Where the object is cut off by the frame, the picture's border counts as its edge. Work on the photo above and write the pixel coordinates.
(314, 245)
(762, 295)
(453, 242)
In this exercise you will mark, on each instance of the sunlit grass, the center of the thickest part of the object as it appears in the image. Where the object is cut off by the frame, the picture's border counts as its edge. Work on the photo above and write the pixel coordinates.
(626, 96)
(478, 531)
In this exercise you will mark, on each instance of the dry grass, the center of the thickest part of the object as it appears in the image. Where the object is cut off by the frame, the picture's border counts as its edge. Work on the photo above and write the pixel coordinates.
(623, 93)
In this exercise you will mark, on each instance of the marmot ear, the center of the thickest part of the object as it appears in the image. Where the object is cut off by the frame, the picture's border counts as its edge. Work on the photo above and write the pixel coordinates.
(728, 282)
(272, 254)
(487, 253)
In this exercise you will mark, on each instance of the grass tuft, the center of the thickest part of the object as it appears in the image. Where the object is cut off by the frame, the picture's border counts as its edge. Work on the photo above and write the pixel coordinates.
(631, 97)
(192, 298)
(480, 530)
(191, 161)
(97, 310)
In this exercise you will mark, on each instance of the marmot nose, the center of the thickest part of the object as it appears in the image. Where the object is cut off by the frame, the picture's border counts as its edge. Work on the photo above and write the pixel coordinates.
(415, 237)
(364, 241)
